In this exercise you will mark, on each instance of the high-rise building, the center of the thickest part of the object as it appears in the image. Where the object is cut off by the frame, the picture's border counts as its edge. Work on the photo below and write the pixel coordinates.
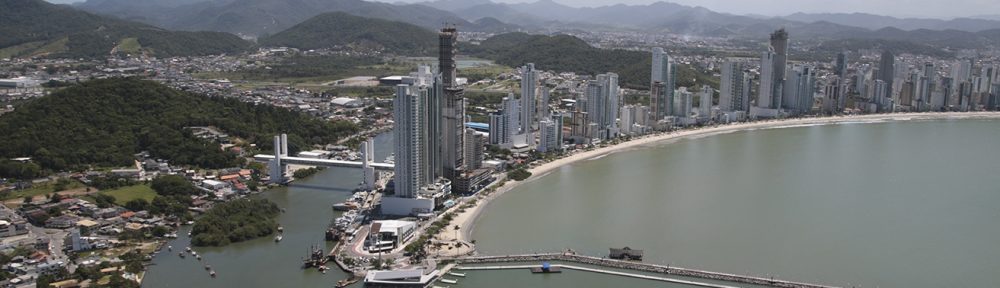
(432, 83)
(543, 104)
(473, 149)
(410, 131)
(453, 111)
(602, 104)
(549, 136)
(626, 120)
(705, 102)
(779, 44)
(498, 128)
(662, 84)
(961, 70)
(965, 91)
(529, 97)
(504, 123)
(766, 97)
(734, 89)
(799, 89)
(883, 101)
(841, 65)
(684, 102)
(886, 70)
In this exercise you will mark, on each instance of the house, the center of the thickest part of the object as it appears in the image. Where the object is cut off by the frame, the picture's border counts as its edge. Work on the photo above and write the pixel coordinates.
(625, 254)
(61, 222)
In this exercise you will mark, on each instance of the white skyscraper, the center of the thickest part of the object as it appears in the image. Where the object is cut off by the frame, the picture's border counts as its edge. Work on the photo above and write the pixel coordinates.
(529, 89)
(705, 102)
(765, 97)
(662, 82)
(602, 104)
(734, 89)
(684, 102)
(504, 124)
(410, 130)
(627, 119)
(549, 138)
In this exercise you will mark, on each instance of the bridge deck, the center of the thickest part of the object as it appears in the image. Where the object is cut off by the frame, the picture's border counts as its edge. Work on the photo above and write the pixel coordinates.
(323, 162)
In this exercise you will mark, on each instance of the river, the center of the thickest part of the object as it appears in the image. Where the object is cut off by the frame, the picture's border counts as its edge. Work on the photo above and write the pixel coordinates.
(896, 204)
(262, 262)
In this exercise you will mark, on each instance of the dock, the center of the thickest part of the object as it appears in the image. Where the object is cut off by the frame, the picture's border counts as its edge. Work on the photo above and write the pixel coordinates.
(623, 265)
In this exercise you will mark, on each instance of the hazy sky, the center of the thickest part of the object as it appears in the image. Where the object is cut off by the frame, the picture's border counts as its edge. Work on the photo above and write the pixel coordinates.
(898, 8)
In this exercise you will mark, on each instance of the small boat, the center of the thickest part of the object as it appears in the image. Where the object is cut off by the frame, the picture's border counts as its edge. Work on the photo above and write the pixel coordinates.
(211, 273)
(188, 249)
(197, 257)
(281, 229)
(277, 238)
(208, 267)
(170, 248)
(456, 274)
(189, 223)
(449, 281)
(180, 254)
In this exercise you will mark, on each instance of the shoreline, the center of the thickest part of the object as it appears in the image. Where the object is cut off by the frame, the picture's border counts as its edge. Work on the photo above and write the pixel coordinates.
(466, 220)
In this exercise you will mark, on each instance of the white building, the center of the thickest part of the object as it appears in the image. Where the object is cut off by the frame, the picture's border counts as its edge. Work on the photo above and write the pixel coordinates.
(386, 235)
(705, 103)
(734, 89)
(603, 104)
(529, 97)
(410, 132)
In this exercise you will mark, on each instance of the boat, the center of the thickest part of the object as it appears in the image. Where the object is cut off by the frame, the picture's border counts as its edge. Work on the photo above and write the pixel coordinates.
(188, 249)
(316, 258)
(277, 238)
(180, 254)
(281, 229)
(208, 267)
(170, 248)
(211, 273)
(197, 257)
(449, 281)
(456, 274)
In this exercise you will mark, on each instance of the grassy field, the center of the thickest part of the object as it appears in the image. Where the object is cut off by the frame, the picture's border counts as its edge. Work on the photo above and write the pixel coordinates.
(40, 190)
(129, 193)
(129, 45)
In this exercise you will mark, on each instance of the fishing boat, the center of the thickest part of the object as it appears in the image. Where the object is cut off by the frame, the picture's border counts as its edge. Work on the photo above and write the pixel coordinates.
(277, 238)
(281, 229)
(170, 248)
(197, 257)
(211, 273)
(316, 258)
(180, 254)
(188, 249)
(208, 267)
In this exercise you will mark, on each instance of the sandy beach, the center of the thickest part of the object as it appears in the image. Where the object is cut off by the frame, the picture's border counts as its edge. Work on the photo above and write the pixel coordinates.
(466, 220)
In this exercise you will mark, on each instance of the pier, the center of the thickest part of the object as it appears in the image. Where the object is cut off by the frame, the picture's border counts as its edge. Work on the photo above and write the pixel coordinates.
(602, 271)
(626, 265)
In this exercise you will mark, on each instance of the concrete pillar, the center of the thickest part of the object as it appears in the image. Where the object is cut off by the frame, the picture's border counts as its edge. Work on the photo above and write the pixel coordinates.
(284, 144)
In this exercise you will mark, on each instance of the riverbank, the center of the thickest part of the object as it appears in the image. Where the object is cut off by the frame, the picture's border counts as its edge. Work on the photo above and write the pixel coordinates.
(466, 219)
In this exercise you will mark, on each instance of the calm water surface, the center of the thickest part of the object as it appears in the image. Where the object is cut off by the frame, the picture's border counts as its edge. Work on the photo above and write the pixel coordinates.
(897, 204)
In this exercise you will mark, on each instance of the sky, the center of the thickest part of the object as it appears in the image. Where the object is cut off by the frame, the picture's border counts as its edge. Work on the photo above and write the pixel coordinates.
(943, 9)
(898, 8)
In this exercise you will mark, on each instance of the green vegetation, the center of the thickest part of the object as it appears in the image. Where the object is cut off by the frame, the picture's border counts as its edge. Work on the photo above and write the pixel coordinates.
(564, 53)
(36, 27)
(342, 29)
(129, 45)
(19, 170)
(126, 194)
(518, 174)
(304, 173)
(43, 189)
(105, 122)
(235, 221)
(322, 68)
(170, 185)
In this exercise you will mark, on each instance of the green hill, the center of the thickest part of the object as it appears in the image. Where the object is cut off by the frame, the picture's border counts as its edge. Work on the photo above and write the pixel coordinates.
(564, 53)
(342, 29)
(105, 122)
(38, 28)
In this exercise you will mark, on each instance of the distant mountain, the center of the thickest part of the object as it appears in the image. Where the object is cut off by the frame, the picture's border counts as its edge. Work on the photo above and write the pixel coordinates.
(38, 28)
(875, 22)
(263, 17)
(339, 29)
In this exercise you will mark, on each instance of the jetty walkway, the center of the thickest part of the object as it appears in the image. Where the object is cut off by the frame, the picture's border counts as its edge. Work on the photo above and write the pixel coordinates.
(626, 265)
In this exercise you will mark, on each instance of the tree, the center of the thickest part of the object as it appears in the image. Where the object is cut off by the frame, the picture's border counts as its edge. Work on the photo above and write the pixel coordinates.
(173, 185)
(103, 201)
(137, 204)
